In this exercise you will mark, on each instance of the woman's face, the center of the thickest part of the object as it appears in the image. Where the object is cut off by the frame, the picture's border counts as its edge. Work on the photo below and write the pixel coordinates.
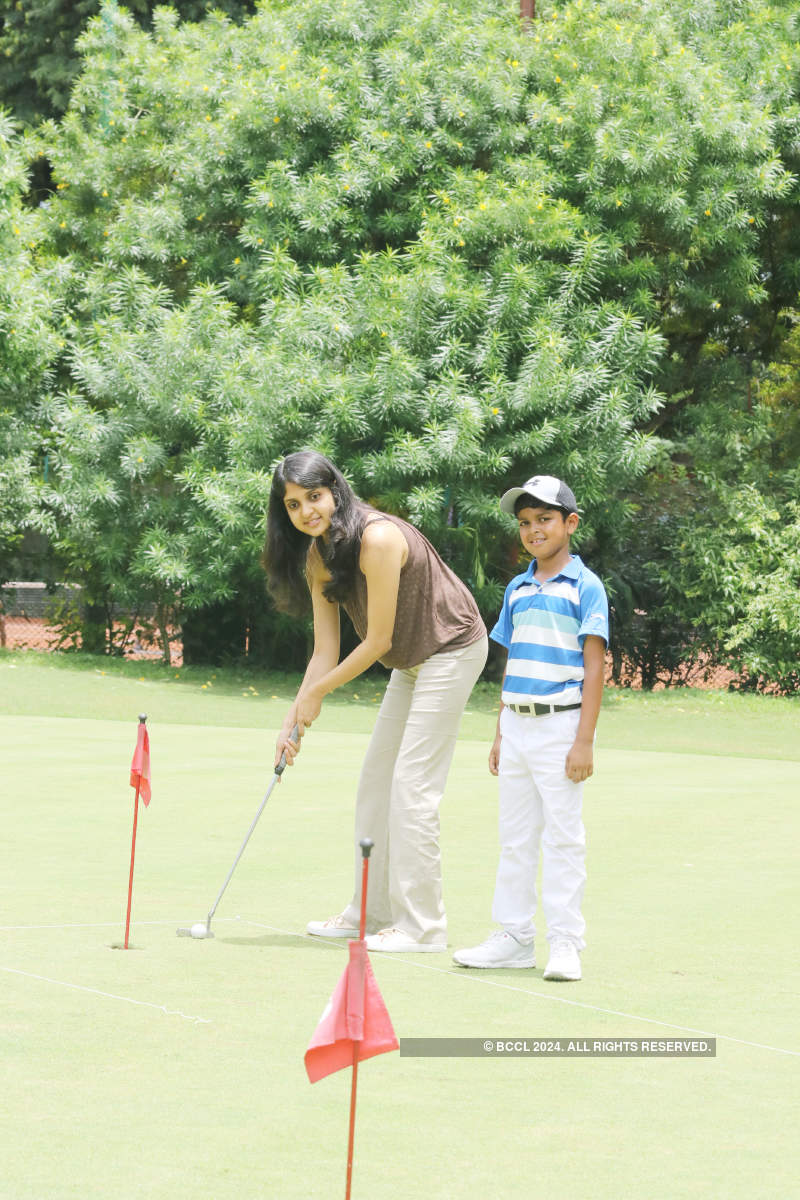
(310, 509)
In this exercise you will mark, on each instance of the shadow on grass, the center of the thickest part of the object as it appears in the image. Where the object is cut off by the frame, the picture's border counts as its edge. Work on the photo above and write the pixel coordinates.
(289, 941)
(520, 974)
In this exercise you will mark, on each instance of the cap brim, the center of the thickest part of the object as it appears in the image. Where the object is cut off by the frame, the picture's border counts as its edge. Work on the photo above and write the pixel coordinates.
(509, 499)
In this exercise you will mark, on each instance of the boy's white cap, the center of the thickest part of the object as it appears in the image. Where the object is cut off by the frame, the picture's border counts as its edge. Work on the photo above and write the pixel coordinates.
(545, 488)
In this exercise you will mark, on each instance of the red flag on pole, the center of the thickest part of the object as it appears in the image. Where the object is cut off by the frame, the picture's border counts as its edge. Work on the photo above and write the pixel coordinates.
(140, 779)
(140, 766)
(355, 1024)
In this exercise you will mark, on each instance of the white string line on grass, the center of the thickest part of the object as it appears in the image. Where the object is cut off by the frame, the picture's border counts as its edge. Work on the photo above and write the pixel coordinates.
(170, 1012)
(82, 925)
(469, 976)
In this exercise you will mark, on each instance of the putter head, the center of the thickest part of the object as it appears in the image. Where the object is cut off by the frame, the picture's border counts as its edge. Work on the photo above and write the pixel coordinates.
(194, 932)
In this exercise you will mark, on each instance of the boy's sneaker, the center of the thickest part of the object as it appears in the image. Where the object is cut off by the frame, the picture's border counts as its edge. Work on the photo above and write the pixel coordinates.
(334, 927)
(394, 941)
(564, 963)
(500, 949)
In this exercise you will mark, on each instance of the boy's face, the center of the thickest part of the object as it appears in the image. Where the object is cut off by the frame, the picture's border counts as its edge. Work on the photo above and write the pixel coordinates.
(545, 532)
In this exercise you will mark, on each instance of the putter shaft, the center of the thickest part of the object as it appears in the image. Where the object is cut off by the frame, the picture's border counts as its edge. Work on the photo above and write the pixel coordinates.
(278, 772)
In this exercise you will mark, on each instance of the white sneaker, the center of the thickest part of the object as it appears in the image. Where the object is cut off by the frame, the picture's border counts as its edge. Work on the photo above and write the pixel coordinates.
(564, 962)
(500, 949)
(395, 941)
(334, 927)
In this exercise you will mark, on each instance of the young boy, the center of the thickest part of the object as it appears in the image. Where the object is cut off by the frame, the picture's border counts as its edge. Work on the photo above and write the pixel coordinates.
(554, 625)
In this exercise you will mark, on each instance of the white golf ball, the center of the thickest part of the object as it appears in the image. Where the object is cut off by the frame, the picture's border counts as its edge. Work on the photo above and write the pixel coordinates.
(198, 930)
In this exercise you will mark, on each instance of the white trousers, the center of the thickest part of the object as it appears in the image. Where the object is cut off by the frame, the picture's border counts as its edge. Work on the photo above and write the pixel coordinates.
(539, 808)
(400, 790)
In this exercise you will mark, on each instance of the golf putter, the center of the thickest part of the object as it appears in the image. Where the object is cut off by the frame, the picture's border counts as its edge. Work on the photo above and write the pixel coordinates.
(202, 929)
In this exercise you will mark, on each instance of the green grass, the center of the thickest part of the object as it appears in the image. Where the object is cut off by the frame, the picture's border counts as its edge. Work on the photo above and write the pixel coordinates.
(692, 822)
(688, 720)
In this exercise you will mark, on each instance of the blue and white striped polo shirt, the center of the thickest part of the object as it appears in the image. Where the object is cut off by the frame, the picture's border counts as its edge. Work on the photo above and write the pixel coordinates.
(543, 625)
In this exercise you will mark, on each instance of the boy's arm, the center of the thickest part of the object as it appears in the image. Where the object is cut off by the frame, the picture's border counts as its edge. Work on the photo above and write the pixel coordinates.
(579, 764)
(494, 753)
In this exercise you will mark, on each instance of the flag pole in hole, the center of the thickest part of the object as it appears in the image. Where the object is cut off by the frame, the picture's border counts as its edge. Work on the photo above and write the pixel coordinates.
(140, 779)
(355, 1024)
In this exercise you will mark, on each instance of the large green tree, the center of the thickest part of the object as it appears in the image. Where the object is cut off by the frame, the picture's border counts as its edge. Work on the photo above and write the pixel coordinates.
(455, 251)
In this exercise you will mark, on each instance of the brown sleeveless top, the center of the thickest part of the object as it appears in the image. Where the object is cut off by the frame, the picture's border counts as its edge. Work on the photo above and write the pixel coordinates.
(435, 610)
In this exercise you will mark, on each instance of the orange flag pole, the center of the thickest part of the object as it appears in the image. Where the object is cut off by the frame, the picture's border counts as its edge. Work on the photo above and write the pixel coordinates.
(355, 1024)
(140, 779)
(366, 847)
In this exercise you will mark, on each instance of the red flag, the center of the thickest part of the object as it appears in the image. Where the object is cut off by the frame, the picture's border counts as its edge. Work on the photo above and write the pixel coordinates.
(140, 766)
(356, 1014)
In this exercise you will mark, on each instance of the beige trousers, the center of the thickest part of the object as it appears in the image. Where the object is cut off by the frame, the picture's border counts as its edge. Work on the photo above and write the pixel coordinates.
(400, 790)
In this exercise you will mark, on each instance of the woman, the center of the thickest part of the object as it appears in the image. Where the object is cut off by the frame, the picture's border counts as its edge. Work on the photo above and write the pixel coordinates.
(414, 616)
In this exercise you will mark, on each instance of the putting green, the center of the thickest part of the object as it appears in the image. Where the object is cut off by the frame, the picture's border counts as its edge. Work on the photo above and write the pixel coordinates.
(176, 1069)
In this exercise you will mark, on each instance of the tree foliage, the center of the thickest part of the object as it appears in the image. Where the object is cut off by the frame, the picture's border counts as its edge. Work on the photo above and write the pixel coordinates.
(443, 250)
(28, 343)
(38, 56)
(731, 570)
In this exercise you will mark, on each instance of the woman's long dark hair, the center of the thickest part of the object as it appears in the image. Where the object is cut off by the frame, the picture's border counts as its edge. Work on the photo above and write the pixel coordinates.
(286, 548)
